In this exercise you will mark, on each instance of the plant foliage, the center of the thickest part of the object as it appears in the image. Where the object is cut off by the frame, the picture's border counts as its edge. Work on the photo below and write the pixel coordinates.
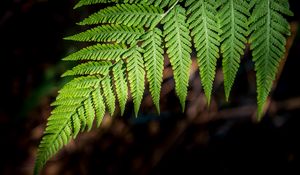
(133, 37)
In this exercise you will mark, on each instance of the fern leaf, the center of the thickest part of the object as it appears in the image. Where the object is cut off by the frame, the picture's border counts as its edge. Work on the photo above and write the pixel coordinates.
(268, 38)
(55, 137)
(159, 3)
(71, 93)
(233, 17)
(129, 47)
(61, 124)
(99, 105)
(109, 33)
(108, 92)
(82, 118)
(156, 3)
(169, 3)
(90, 68)
(205, 29)
(81, 82)
(154, 62)
(136, 76)
(75, 124)
(120, 85)
(126, 14)
(90, 2)
(178, 44)
(89, 113)
(106, 52)
(67, 101)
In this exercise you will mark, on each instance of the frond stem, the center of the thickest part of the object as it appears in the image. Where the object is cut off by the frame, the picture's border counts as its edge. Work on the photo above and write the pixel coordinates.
(168, 11)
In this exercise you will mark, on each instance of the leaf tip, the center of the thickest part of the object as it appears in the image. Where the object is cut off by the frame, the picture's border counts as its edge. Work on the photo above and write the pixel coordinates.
(157, 108)
(227, 95)
(182, 103)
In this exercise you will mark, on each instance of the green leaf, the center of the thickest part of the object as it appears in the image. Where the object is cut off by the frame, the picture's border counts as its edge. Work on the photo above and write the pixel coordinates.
(178, 44)
(268, 30)
(67, 119)
(90, 2)
(89, 113)
(129, 45)
(154, 62)
(108, 92)
(233, 17)
(105, 52)
(120, 82)
(99, 106)
(205, 30)
(126, 14)
(136, 76)
(109, 33)
(90, 68)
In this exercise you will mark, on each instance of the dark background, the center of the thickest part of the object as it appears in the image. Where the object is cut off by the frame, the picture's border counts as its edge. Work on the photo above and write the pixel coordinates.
(222, 139)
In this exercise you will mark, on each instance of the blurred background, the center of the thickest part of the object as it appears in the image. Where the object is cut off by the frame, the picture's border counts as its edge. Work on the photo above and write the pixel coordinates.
(222, 139)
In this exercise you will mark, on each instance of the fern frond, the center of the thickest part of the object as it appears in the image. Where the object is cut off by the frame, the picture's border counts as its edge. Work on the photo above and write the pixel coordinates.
(99, 105)
(90, 2)
(89, 113)
(81, 82)
(157, 3)
(136, 76)
(90, 68)
(126, 14)
(57, 134)
(109, 33)
(67, 101)
(154, 62)
(120, 82)
(233, 17)
(205, 30)
(129, 40)
(268, 38)
(82, 118)
(105, 52)
(169, 3)
(178, 44)
(67, 120)
(108, 93)
(73, 93)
